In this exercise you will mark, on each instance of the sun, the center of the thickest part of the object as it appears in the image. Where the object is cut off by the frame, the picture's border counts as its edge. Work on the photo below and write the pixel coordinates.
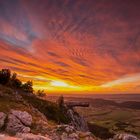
(59, 84)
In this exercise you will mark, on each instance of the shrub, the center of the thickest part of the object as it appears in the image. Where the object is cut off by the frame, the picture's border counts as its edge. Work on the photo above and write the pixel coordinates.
(14, 82)
(28, 87)
(41, 93)
(5, 76)
(60, 102)
(49, 109)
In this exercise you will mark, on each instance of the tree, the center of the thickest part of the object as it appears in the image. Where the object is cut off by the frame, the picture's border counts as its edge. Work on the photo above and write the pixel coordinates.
(60, 102)
(5, 76)
(28, 87)
(41, 93)
(14, 76)
(15, 82)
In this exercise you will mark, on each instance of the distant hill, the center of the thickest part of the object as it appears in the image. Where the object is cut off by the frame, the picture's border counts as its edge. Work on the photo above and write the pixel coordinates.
(126, 104)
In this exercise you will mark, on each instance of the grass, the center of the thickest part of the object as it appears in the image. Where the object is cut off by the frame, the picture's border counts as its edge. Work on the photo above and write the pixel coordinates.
(114, 119)
(51, 110)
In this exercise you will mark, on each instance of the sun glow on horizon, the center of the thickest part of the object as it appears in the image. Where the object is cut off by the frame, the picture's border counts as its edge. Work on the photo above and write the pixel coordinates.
(59, 84)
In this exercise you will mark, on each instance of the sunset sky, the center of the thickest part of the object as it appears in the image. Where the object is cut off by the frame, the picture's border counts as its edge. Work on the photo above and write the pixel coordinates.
(76, 46)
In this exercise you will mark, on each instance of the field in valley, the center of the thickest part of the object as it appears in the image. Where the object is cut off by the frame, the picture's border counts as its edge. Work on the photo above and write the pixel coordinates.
(111, 115)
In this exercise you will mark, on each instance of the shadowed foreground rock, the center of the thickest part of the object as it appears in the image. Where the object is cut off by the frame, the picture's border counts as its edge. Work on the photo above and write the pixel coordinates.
(18, 121)
(75, 118)
(124, 137)
(22, 136)
(2, 119)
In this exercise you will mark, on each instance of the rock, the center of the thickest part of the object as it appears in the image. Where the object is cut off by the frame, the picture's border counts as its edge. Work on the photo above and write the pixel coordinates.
(54, 136)
(89, 138)
(74, 136)
(2, 119)
(14, 125)
(76, 120)
(23, 116)
(30, 136)
(4, 137)
(64, 136)
(84, 134)
(68, 132)
(69, 129)
(66, 128)
(125, 137)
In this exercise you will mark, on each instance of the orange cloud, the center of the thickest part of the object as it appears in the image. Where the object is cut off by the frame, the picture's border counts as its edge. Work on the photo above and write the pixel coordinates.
(89, 46)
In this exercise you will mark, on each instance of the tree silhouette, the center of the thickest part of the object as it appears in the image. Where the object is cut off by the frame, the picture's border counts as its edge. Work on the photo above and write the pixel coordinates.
(28, 86)
(60, 102)
(14, 81)
(41, 93)
(5, 76)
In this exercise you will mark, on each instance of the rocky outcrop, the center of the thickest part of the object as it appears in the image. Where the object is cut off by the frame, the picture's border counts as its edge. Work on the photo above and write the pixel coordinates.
(15, 125)
(26, 136)
(17, 121)
(2, 119)
(30, 136)
(125, 137)
(5, 137)
(67, 132)
(23, 116)
(77, 120)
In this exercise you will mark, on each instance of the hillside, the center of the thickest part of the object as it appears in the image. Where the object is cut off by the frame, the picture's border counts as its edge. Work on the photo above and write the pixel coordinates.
(26, 115)
(47, 117)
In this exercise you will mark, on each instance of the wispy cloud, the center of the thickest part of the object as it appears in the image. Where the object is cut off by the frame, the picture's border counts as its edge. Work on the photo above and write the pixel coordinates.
(87, 43)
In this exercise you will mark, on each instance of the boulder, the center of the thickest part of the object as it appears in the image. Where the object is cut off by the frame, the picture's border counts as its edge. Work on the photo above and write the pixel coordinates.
(64, 136)
(14, 125)
(77, 120)
(74, 136)
(66, 128)
(30, 136)
(2, 119)
(4, 137)
(23, 116)
(86, 135)
(70, 129)
(125, 137)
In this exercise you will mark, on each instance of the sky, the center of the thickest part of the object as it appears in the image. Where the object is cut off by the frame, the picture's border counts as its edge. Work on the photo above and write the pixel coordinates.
(76, 46)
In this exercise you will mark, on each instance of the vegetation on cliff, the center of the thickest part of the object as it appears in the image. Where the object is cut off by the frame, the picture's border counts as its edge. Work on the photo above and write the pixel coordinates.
(11, 86)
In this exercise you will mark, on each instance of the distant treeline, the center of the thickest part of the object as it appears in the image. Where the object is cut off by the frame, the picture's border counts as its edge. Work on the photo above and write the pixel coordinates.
(10, 79)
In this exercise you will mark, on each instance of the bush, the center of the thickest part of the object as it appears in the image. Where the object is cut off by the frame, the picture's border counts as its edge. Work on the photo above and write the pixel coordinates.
(49, 109)
(60, 102)
(15, 82)
(41, 93)
(28, 87)
(5, 76)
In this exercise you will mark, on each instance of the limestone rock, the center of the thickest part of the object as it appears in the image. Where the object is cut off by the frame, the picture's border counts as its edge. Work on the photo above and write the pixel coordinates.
(4, 137)
(69, 129)
(14, 125)
(66, 128)
(64, 136)
(74, 136)
(30, 136)
(2, 119)
(84, 134)
(23, 116)
(125, 137)
(76, 120)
